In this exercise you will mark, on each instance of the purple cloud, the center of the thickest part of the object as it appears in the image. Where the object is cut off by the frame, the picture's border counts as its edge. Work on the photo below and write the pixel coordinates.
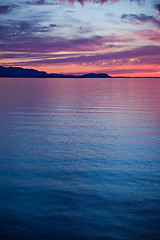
(18, 30)
(158, 7)
(82, 2)
(6, 8)
(135, 53)
(47, 45)
(140, 18)
(40, 2)
(144, 54)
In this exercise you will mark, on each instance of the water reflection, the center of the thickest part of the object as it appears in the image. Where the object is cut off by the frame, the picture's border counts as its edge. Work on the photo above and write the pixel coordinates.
(79, 158)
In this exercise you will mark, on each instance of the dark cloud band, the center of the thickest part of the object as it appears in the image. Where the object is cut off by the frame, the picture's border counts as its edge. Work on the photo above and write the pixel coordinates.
(158, 7)
(6, 8)
(140, 18)
(40, 2)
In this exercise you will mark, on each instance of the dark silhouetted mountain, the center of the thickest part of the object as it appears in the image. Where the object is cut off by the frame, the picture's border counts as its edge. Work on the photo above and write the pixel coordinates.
(20, 72)
(32, 73)
(95, 75)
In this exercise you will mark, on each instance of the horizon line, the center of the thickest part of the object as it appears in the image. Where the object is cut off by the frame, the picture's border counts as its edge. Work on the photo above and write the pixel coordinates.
(72, 74)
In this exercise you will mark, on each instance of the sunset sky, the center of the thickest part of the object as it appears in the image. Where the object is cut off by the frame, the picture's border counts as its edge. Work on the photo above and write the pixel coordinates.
(118, 37)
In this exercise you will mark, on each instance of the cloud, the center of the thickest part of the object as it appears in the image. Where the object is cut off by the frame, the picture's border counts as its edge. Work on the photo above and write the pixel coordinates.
(17, 30)
(152, 35)
(122, 71)
(146, 54)
(82, 2)
(140, 18)
(55, 44)
(6, 8)
(40, 2)
(158, 7)
(146, 51)
(53, 25)
(81, 53)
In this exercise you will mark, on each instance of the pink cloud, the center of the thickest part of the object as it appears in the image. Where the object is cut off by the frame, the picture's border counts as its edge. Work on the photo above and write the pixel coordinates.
(152, 35)
(82, 2)
(147, 55)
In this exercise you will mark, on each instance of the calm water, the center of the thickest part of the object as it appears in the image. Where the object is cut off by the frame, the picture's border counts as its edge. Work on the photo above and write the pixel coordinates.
(79, 159)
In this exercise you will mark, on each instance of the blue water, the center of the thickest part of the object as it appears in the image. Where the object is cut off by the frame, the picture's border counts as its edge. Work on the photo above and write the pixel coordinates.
(79, 159)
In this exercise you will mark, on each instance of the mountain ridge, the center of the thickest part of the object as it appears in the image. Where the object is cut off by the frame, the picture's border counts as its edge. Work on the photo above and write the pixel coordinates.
(32, 73)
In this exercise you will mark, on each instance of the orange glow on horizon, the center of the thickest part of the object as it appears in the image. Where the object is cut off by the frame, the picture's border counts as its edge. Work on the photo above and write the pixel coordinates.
(132, 67)
(129, 70)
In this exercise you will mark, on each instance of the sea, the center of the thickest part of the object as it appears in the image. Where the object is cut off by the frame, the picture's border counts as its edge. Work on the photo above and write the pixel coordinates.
(80, 159)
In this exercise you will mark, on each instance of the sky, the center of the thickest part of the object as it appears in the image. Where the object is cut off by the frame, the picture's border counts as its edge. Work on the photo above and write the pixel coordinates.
(117, 37)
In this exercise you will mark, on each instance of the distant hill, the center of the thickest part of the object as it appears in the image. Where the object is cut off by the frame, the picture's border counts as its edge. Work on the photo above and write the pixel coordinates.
(32, 73)
(95, 75)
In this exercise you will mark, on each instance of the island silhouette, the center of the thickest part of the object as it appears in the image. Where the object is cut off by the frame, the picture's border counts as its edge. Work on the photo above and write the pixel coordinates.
(32, 73)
